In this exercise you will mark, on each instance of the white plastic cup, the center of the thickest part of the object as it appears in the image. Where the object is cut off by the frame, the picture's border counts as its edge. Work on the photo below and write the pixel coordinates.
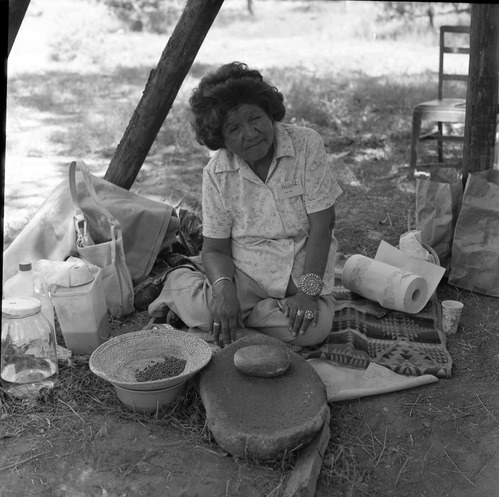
(451, 314)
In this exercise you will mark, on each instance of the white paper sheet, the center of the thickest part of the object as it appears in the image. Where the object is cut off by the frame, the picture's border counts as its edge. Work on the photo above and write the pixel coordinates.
(430, 272)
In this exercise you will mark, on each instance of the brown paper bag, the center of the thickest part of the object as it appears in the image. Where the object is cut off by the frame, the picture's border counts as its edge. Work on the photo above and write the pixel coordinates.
(438, 200)
(475, 250)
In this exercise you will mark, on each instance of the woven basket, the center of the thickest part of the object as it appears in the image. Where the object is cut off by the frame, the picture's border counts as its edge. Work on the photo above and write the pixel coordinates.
(118, 359)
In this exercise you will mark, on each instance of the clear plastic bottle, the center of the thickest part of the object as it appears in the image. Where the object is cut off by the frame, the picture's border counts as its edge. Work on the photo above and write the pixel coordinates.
(29, 283)
(28, 348)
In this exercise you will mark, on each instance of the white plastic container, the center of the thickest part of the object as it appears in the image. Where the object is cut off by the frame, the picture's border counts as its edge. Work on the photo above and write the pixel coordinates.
(29, 283)
(82, 314)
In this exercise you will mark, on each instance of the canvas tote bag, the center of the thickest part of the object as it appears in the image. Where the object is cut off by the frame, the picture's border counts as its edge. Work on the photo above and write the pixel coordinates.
(147, 226)
(475, 249)
(109, 255)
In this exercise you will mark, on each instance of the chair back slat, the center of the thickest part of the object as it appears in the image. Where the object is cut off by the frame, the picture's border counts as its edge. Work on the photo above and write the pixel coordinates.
(455, 77)
(457, 50)
(454, 42)
(455, 29)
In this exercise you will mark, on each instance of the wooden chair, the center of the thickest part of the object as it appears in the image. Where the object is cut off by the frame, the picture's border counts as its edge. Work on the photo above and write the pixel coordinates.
(453, 40)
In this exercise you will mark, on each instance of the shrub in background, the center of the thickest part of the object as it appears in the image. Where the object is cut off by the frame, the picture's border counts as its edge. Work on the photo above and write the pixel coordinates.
(155, 16)
(418, 20)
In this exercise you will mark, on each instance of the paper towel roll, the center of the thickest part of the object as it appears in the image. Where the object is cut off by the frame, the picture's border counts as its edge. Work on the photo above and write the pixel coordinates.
(391, 287)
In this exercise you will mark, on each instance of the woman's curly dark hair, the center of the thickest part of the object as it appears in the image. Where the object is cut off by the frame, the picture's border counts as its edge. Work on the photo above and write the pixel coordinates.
(225, 89)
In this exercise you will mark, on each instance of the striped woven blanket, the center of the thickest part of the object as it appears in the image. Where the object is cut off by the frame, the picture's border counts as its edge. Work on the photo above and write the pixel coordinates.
(365, 332)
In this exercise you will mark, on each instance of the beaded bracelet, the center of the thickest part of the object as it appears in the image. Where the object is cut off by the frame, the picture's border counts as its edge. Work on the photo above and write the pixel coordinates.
(311, 284)
(220, 279)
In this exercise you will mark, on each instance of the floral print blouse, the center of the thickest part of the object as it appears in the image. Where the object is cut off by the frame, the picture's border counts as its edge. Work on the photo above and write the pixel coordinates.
(267, 221)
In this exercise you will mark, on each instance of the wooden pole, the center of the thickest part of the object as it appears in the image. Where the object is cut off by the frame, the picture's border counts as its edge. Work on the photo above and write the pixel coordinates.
(4, 28)
(161, 89)
(17, 11)
(482, 94)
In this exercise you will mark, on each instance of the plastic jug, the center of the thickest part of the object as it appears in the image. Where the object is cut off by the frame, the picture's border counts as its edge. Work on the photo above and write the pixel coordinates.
(82, 314)
(28, 353)
(28, 283)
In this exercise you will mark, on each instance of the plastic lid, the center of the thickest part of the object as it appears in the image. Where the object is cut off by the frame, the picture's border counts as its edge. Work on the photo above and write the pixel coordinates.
(25, 266)
(80, 274)
(17, 307)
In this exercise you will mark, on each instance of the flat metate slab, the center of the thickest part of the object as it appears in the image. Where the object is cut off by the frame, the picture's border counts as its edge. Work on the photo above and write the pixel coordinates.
(261, 417)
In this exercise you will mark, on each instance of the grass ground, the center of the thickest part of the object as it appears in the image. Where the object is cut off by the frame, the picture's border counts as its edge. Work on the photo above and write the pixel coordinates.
(75, 77)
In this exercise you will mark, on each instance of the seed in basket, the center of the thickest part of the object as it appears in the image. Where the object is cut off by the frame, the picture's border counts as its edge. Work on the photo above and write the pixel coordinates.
(167, 368)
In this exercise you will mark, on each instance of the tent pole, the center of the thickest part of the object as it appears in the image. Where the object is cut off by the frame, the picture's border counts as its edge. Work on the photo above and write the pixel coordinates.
(17, 11)
(161, 89)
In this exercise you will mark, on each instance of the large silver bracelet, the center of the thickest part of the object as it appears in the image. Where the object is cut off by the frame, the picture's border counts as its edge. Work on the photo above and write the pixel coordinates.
(311, 284)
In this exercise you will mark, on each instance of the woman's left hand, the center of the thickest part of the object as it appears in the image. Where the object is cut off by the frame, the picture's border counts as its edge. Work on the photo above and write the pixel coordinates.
(302, 312)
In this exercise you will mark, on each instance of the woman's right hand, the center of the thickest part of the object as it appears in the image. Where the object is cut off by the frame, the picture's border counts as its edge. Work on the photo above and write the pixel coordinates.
(225, 308)
(225, 313)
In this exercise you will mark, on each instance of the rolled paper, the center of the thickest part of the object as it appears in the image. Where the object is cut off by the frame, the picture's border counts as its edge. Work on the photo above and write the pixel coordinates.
(390, 286)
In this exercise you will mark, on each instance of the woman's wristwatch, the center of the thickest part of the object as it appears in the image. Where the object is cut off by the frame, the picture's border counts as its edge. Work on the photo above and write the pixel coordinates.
(311, 284)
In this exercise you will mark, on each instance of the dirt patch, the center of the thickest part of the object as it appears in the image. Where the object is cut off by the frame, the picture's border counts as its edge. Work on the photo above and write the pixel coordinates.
(104, 455)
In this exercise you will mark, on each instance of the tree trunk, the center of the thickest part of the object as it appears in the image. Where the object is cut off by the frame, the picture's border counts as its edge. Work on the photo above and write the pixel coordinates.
(482, 94)
(17, 11)
(161, 89)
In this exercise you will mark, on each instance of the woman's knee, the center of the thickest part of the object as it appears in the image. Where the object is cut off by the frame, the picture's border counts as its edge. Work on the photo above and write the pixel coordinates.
(185, 292)
(274, 323)
(321, 331)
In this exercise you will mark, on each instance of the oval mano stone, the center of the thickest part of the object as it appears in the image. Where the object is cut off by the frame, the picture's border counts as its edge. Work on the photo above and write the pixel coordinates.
(262, 360)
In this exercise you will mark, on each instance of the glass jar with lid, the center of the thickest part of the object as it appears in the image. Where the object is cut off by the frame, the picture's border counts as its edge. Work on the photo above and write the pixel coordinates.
(28, 352)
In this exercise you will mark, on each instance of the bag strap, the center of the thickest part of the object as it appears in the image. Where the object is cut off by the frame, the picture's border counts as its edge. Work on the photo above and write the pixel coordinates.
(114, 224)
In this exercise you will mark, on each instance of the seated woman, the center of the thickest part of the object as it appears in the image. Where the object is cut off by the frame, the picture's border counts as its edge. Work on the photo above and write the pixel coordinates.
(268, 253)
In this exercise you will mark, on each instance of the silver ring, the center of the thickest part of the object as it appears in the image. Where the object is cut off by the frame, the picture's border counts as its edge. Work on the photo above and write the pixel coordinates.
(309, 315)
(300, 312)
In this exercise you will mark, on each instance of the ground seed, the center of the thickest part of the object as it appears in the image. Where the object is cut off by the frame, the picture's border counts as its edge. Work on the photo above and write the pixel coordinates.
(167, 368)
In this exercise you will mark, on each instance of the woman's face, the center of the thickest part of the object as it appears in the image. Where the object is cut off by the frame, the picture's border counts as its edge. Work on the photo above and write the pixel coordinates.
(248, 132)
